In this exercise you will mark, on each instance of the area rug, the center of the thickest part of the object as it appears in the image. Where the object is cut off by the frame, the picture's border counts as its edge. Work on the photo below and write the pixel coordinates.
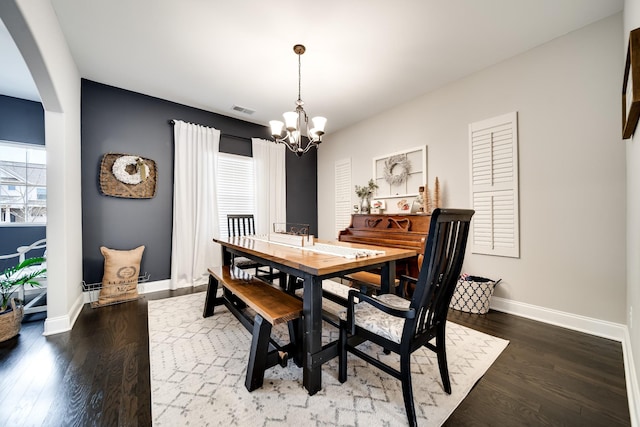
(198, 370)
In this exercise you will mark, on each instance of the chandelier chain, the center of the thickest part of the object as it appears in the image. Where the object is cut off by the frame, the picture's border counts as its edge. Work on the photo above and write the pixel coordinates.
(299, 78)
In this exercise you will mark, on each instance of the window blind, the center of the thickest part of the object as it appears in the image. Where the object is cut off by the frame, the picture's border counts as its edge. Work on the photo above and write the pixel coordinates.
(236, 193)
(493, 145)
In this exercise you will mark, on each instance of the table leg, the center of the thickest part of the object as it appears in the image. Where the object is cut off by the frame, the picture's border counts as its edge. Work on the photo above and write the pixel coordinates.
(226, 256)
(312, 336)
(388, 278)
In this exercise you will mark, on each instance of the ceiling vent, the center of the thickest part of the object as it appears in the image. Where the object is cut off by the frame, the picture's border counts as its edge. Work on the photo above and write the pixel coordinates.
(243, 110)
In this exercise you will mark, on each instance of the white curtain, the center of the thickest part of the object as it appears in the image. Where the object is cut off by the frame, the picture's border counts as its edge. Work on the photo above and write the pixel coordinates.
(271, 184)
(195, 207)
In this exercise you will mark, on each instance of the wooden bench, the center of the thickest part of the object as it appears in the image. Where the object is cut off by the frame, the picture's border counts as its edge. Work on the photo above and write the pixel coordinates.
(367, 281)
(272, 307)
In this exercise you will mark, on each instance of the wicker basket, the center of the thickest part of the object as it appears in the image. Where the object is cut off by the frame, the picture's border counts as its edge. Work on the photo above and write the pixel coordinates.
(473, 294)
(10, 322)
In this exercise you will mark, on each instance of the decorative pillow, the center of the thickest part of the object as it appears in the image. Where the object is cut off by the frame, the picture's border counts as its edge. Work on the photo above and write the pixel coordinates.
(121, 271)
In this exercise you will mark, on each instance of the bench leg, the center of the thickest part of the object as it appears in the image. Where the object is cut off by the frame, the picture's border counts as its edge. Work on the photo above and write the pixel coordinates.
(258, 354)
(211, 301)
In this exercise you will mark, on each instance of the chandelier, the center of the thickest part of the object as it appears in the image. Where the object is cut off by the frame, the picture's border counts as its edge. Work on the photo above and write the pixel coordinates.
(295, 120)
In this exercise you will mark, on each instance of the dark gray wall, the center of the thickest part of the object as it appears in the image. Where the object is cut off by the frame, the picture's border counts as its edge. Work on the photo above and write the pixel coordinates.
(20, 121)
(302, 189)
(119, 121)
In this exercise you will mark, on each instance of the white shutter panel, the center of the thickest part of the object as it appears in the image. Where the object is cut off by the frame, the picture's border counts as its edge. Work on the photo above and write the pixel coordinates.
(493, 144)
(343, 194)
(235, 176)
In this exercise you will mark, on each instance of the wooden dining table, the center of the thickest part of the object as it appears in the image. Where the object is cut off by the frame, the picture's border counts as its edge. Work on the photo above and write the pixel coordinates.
(312, 268)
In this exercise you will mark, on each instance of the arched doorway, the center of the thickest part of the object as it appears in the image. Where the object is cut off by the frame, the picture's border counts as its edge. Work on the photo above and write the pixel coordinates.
(37, 34)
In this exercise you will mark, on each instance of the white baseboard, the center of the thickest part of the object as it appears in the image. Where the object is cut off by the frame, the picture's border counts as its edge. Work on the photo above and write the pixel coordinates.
(631, 379)
(158, 285)
(589, 325)
(163, 285)
(59, 324)
(143, 288)
(600, 328)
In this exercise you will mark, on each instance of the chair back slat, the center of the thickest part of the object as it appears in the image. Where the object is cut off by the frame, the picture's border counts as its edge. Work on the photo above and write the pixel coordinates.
(442, 263)
(241, 225)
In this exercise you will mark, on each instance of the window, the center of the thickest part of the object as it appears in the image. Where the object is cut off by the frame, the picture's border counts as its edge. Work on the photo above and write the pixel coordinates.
(236, 188)
(23, 191)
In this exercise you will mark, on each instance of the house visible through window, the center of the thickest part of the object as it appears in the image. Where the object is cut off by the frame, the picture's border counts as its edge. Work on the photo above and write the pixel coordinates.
(23, 191)
(236, 188)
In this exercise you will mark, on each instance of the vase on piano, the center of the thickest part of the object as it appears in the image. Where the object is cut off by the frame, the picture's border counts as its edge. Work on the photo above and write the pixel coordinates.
(365, 207)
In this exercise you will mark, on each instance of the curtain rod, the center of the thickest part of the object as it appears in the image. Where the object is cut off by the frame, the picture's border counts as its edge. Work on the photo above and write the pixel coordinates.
(227, 135)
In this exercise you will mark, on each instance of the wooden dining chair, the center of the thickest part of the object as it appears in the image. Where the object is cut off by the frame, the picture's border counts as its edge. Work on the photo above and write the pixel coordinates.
(402, 326)
(240, 225)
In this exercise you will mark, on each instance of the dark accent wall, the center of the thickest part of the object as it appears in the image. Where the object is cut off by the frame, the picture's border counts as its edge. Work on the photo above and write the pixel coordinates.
(119, 121)
(20, 121)
(302, 189)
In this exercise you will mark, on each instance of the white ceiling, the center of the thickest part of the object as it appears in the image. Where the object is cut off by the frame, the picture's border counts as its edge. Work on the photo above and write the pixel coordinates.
(363, 56)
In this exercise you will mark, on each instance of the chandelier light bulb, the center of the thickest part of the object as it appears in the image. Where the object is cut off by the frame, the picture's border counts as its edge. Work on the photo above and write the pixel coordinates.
(319, 124)
(276, 128)
(291, 120)
(294, 137)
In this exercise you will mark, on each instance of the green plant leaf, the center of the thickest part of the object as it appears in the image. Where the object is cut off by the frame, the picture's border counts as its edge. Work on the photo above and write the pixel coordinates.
(14, 277)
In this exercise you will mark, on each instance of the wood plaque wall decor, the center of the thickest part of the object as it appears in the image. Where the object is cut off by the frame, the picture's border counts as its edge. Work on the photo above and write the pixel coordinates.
(138, 176)
(631, 86)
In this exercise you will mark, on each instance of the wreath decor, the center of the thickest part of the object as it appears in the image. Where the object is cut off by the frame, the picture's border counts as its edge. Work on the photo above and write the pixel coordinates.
(124, 175)
(120, 170)
(401, 165)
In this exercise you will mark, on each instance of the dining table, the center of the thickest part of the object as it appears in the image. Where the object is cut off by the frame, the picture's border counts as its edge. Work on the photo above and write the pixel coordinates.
(312, 264)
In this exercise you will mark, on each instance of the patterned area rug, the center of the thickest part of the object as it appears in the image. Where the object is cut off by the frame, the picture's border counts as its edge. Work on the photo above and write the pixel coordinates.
(198, 371)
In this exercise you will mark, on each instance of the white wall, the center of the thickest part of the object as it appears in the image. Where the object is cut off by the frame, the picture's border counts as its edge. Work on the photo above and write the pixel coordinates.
(35, 30)
(572, 166)
(632, 21)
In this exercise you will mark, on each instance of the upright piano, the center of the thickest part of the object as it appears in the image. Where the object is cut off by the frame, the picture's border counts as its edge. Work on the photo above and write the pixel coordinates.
(407, 231)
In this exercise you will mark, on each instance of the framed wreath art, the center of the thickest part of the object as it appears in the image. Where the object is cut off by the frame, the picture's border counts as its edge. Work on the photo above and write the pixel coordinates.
(128, 176)
(399, 174)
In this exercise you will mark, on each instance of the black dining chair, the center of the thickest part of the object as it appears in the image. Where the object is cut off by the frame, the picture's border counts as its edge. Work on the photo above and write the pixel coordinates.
(403, 326)
(240, 225)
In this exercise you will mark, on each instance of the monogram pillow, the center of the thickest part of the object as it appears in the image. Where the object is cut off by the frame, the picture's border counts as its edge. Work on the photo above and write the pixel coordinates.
(121, 271)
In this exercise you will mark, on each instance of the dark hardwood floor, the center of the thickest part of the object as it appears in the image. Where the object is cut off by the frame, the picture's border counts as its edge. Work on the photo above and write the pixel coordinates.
(547, 376)
(98, 374)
